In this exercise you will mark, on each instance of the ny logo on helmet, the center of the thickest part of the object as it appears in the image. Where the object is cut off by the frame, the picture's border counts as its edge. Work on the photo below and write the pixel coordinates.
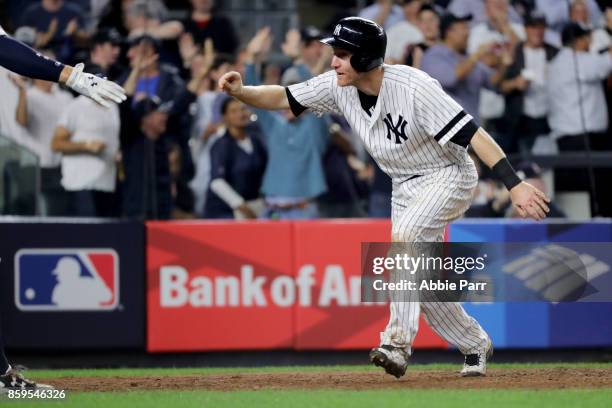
(337, 29)
(398, 129)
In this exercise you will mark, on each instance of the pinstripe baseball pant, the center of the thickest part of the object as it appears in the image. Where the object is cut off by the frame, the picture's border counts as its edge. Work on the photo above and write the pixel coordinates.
(422, 207)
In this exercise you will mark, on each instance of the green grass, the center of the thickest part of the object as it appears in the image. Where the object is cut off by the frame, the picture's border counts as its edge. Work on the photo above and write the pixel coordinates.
(38, 374)
(498, 398)
(334, 399)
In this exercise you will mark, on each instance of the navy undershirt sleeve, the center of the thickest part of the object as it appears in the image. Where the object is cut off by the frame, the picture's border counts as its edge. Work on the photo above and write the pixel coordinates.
(23, 60)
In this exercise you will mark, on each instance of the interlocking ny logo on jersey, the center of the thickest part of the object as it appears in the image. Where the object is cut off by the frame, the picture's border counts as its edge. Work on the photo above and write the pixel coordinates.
(397, 129)
(66, 279)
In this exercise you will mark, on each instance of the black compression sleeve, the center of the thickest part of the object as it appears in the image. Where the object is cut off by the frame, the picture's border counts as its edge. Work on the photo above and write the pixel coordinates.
(23, 60)
(465, 134)
(296, 107)
(504, 171)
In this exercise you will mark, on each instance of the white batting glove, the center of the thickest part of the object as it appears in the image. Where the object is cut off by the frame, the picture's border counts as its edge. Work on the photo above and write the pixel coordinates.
(99, 89)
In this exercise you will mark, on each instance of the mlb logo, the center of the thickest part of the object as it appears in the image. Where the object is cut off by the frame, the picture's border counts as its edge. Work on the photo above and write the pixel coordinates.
(66, 279)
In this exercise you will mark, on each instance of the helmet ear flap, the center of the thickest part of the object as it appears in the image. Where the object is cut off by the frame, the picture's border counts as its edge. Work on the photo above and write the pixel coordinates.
(363, 63)
(359, 63)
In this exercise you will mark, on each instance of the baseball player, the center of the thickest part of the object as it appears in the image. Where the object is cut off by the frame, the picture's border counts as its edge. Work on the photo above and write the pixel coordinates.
(418, 135)
(23, 60)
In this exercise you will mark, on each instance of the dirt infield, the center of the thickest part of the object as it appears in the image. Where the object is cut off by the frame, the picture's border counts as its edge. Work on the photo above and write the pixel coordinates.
(497, 378)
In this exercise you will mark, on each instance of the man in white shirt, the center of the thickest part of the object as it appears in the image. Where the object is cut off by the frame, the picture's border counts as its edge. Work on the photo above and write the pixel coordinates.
(87, 135)
(38, 109)
(577, 107)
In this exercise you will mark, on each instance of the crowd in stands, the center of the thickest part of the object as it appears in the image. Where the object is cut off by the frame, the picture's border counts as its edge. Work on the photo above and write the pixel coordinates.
(534, 73)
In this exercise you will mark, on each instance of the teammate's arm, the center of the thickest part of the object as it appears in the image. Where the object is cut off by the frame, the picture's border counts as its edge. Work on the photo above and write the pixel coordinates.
(528, 200)
(21, 59)
(270, 97)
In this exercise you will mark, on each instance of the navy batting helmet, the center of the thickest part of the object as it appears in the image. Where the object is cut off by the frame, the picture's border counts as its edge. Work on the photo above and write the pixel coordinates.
(365, 39)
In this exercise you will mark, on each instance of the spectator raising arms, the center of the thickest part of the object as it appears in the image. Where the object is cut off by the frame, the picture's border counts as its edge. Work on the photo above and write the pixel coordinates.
(207, 119)
(384, 12)
(525, 88)
(304, 49)
(477, 9)
(503, 34)
(294, 176)
(202, 23)
(162, 81)
(148, 124)
(59, 25)
(460, 75)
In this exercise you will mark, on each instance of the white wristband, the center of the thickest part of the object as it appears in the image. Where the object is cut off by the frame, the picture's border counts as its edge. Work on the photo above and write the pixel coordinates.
(221, 188)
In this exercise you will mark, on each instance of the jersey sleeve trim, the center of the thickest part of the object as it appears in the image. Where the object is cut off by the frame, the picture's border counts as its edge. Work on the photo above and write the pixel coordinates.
(455, 127)
(296, 107)
(316, 94)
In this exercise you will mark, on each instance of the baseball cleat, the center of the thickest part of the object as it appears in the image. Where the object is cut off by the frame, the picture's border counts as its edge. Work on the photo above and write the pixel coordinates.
(14, 380)
(393, 359)
(475, 365)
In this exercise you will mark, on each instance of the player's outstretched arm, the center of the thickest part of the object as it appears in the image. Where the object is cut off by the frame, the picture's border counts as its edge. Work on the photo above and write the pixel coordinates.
(270, 97)
(528, 200)
(21, 59)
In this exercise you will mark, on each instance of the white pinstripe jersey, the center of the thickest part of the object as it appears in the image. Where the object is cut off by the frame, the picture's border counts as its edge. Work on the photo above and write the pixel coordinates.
(410, 126)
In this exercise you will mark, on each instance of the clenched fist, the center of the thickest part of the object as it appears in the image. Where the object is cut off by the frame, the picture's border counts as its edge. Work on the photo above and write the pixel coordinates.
(231, 83)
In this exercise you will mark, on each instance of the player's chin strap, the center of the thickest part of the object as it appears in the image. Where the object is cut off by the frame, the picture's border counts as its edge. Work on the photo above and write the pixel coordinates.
(504, 171)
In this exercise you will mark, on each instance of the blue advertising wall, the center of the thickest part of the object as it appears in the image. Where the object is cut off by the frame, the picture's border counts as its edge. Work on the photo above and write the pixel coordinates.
(539, 324)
